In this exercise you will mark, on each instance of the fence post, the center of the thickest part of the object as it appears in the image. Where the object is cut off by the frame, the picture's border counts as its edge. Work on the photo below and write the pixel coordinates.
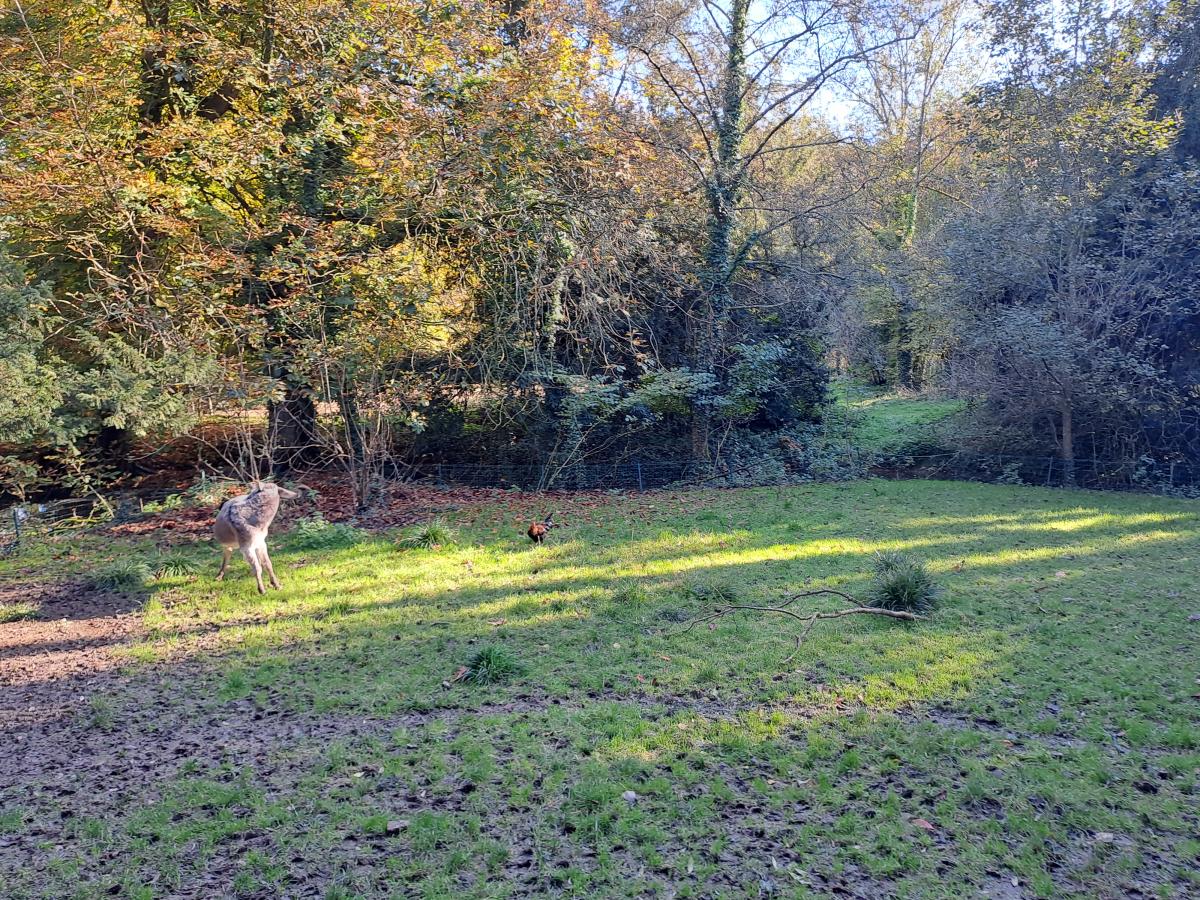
(641, 484)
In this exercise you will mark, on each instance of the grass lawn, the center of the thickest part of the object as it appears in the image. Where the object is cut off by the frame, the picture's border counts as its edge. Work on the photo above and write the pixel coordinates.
(1039, 737)
(892, 422)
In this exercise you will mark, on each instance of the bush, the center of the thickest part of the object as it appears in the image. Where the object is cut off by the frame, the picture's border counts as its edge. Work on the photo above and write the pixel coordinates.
(825, 451)
(492, 664)
(315, 533)
(123, 575)
(432, 534)
(175, 564)
(902, 584)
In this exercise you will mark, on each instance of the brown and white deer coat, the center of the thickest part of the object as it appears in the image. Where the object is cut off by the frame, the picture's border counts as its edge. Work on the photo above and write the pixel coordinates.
(242, 524)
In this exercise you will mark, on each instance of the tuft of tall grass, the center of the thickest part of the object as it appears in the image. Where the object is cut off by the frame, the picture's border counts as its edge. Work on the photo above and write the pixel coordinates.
(15, 612)
(316, 533)
(902, 584)
(716, 593)
(122, 575)
(492, 664)
(432, 534)
(175, 564)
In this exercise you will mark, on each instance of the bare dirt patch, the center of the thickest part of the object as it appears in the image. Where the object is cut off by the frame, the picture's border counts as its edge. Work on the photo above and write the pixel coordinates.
(51, 662)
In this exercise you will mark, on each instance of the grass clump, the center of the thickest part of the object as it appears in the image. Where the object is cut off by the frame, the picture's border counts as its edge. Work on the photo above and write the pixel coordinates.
(902, 584)
(632, 593)
(122, 575)
(716, 593)
(15, 612)
(432, 534)
(316, 533)
(492, 664)
(175, 564)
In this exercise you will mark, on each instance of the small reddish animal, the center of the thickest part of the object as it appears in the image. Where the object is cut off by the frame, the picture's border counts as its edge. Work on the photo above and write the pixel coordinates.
(538, 530)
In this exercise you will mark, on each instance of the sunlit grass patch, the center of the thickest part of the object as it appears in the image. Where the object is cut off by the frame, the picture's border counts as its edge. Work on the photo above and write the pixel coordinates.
(15, 612)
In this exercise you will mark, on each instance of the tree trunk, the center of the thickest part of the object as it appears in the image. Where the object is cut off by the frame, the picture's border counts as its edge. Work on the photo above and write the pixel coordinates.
(1067, 447)
(292, 428)
(723, 189)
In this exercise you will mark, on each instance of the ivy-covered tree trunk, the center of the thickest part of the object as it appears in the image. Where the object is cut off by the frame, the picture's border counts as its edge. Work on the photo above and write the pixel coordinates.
(723, 189)
(1068, 445)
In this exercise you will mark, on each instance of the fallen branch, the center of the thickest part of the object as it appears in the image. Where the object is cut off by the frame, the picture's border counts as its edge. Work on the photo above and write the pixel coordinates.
(809, 619)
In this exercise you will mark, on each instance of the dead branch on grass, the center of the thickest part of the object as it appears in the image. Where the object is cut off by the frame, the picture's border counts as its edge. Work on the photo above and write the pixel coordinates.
(809, 619)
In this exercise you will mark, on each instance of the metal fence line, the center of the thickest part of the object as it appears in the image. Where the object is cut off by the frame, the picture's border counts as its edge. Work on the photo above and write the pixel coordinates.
(1173, 478)
(640, 474)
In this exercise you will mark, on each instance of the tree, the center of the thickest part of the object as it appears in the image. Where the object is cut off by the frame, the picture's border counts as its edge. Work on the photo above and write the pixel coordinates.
(1074, 251)
(728, 83)
(290, 192)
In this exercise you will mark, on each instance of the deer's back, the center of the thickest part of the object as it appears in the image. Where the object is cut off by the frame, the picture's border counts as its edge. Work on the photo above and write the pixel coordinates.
(245, 518)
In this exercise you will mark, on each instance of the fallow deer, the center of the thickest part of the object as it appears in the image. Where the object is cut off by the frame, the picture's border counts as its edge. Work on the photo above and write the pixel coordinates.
(242, 525)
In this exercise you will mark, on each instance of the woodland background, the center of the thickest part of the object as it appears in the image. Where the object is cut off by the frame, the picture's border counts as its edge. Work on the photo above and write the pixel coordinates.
(539, 235)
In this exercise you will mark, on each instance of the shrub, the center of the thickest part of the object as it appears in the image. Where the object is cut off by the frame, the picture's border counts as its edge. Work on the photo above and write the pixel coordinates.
(122, 575)
(902, 584)
(175, 564)
(492, 664)
(432, 534)
(315, 533)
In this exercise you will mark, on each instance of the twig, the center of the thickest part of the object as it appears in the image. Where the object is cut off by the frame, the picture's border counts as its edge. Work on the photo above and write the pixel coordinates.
(809, 619)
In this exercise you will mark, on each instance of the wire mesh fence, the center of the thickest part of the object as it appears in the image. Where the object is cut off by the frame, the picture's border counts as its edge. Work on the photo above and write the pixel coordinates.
(1173, 478)
(1170, 477)
(1146, 475)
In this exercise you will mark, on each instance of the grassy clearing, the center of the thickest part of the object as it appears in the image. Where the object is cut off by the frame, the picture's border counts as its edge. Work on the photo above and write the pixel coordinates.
(893, 422)
(1041, 729)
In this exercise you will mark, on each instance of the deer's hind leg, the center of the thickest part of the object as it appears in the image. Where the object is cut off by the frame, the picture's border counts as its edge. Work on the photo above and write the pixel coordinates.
(227, 553)
(251, 555)
(265, 559)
